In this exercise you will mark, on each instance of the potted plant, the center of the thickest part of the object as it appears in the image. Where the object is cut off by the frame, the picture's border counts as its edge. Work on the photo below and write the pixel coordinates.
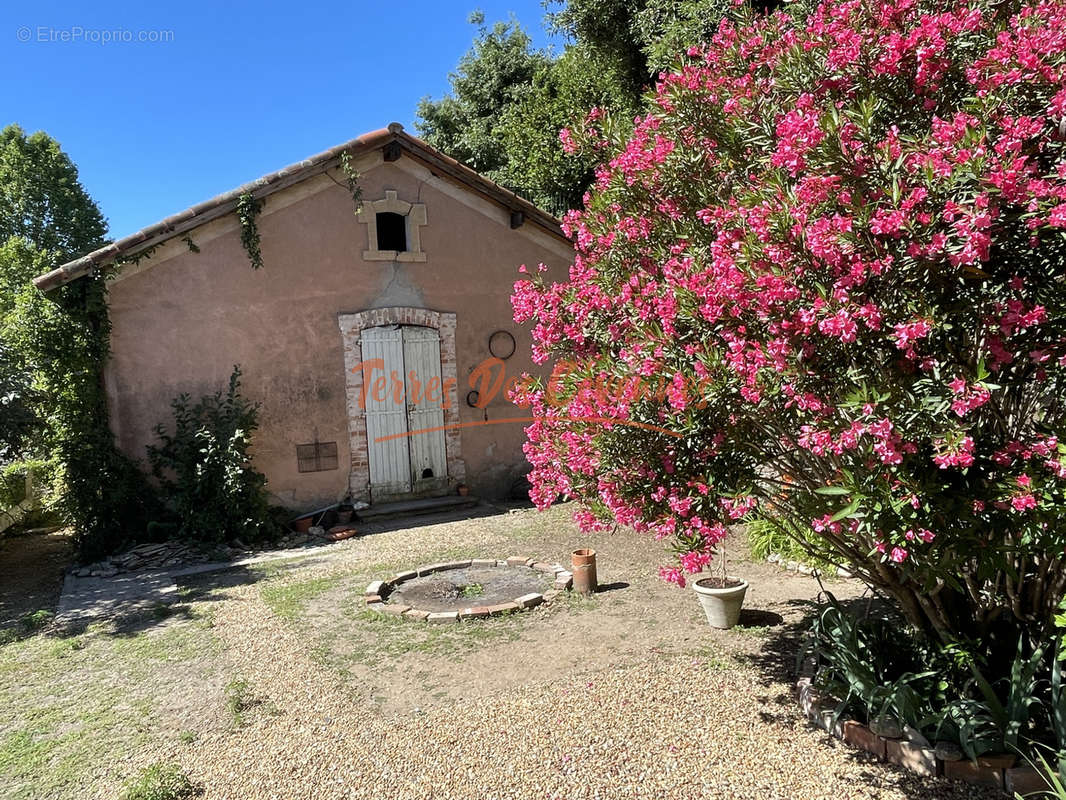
(344, 513)
(721, 595)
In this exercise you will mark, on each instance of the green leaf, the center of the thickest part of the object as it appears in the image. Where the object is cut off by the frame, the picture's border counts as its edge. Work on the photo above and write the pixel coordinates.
(848, 511)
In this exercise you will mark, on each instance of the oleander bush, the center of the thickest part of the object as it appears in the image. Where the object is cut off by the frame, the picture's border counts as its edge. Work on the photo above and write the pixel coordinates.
(823, 281)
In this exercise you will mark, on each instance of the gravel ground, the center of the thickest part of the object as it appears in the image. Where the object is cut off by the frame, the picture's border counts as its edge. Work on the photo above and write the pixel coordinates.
(711, 718)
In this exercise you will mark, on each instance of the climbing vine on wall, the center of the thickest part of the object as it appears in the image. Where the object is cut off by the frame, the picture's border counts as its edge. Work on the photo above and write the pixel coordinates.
(248, 209)
(352, 176)
(64, 336)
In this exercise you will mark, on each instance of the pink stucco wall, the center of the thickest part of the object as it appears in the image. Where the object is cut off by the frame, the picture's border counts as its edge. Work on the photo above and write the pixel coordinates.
(181, 324)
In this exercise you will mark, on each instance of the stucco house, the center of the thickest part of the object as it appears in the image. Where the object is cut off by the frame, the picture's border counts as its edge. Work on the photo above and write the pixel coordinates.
(368, 338)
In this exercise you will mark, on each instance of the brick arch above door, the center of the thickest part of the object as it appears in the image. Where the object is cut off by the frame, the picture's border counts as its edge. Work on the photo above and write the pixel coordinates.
(352, 326)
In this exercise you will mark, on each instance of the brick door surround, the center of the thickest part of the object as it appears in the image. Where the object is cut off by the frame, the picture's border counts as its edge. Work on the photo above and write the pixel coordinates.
(352, 326)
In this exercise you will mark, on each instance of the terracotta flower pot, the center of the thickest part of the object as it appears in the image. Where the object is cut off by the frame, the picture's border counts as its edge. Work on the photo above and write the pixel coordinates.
(302, 525)
(462, 490)
(344, 515)
(721, 604)
(583, 567)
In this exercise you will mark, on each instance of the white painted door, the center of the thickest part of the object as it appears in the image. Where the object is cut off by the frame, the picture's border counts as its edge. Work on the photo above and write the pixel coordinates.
(425, 410)
(386, 414)
(405, 422)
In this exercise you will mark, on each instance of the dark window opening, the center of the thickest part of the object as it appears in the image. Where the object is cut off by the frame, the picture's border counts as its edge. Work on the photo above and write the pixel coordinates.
(392, 231)
(317, 457)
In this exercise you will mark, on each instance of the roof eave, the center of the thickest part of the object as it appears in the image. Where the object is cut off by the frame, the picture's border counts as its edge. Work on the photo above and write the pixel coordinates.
(223, 204)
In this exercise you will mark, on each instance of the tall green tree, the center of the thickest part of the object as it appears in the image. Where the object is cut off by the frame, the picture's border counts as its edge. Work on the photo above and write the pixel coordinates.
(666, 28)
(489, 78)
(18, 419)
(508, 100)
(57, 344)
(559, 95)
(609, 33)
(42, 199)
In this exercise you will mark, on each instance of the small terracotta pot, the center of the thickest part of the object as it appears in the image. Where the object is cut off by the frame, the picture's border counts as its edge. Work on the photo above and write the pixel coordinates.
(302, 525)
(583, 567)
(344, 516)
(462, 490)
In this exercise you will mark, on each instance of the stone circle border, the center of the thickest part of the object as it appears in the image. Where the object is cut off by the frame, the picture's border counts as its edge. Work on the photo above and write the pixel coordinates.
(377, 593)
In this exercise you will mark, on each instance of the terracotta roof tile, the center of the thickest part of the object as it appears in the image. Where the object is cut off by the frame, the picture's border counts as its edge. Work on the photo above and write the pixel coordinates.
(225, 203)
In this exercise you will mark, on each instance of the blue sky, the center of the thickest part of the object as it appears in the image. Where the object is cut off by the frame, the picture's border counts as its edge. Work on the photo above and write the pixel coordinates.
(241, 89)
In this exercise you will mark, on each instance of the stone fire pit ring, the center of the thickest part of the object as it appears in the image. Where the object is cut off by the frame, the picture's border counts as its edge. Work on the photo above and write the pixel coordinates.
(378, 592)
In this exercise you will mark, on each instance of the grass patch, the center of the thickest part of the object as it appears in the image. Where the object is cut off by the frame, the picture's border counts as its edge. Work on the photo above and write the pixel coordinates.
(27, 625)
(472, 590)
(35, 620)
(71, 705)
(383, 636)
(752, 630)
(176, 642)
(711, 659)
(160, 782)
(766, 537)
(288, 600)
(239, 700)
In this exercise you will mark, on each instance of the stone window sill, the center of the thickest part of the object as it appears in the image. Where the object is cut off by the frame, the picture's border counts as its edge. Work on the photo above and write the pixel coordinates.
(392, 255)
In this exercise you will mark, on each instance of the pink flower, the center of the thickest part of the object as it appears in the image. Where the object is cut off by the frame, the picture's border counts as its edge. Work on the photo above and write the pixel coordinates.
(1023, 502)
(966, 401)
(672, 575)
(898, 555)
(826, 524)
(677, 393)
(569, 143)
(695, 561)
(956, 454)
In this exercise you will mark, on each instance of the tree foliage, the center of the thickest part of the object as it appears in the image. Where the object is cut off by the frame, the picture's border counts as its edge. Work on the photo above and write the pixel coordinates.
(609, 33)
(823, 280)
(508, 101)
(665, 29)
(42, 199)
(58, 343)
(203, 468)
(18, 420)
(500, 64)
(537, 167)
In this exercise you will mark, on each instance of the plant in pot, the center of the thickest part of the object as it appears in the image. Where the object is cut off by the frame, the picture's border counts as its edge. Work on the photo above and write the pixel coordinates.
(720, 594)
(344, 513)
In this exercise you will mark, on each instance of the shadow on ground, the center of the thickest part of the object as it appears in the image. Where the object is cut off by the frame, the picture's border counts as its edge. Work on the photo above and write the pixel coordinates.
(777, 662)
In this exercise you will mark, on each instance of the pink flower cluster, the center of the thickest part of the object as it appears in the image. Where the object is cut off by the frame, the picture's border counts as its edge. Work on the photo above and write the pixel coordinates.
(852, 319)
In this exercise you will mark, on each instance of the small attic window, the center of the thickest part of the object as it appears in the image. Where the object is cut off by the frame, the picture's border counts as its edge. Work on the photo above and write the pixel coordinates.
(392, 231)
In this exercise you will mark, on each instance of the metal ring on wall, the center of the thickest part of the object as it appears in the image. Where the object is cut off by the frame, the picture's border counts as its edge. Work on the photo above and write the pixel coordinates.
(472, 398)
(504, 342)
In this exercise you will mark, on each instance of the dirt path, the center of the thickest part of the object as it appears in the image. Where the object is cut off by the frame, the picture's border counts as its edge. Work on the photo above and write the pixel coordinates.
(31, 573)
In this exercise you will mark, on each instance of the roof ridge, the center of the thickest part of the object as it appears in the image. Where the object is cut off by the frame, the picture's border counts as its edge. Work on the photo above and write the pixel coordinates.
(225, 203)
